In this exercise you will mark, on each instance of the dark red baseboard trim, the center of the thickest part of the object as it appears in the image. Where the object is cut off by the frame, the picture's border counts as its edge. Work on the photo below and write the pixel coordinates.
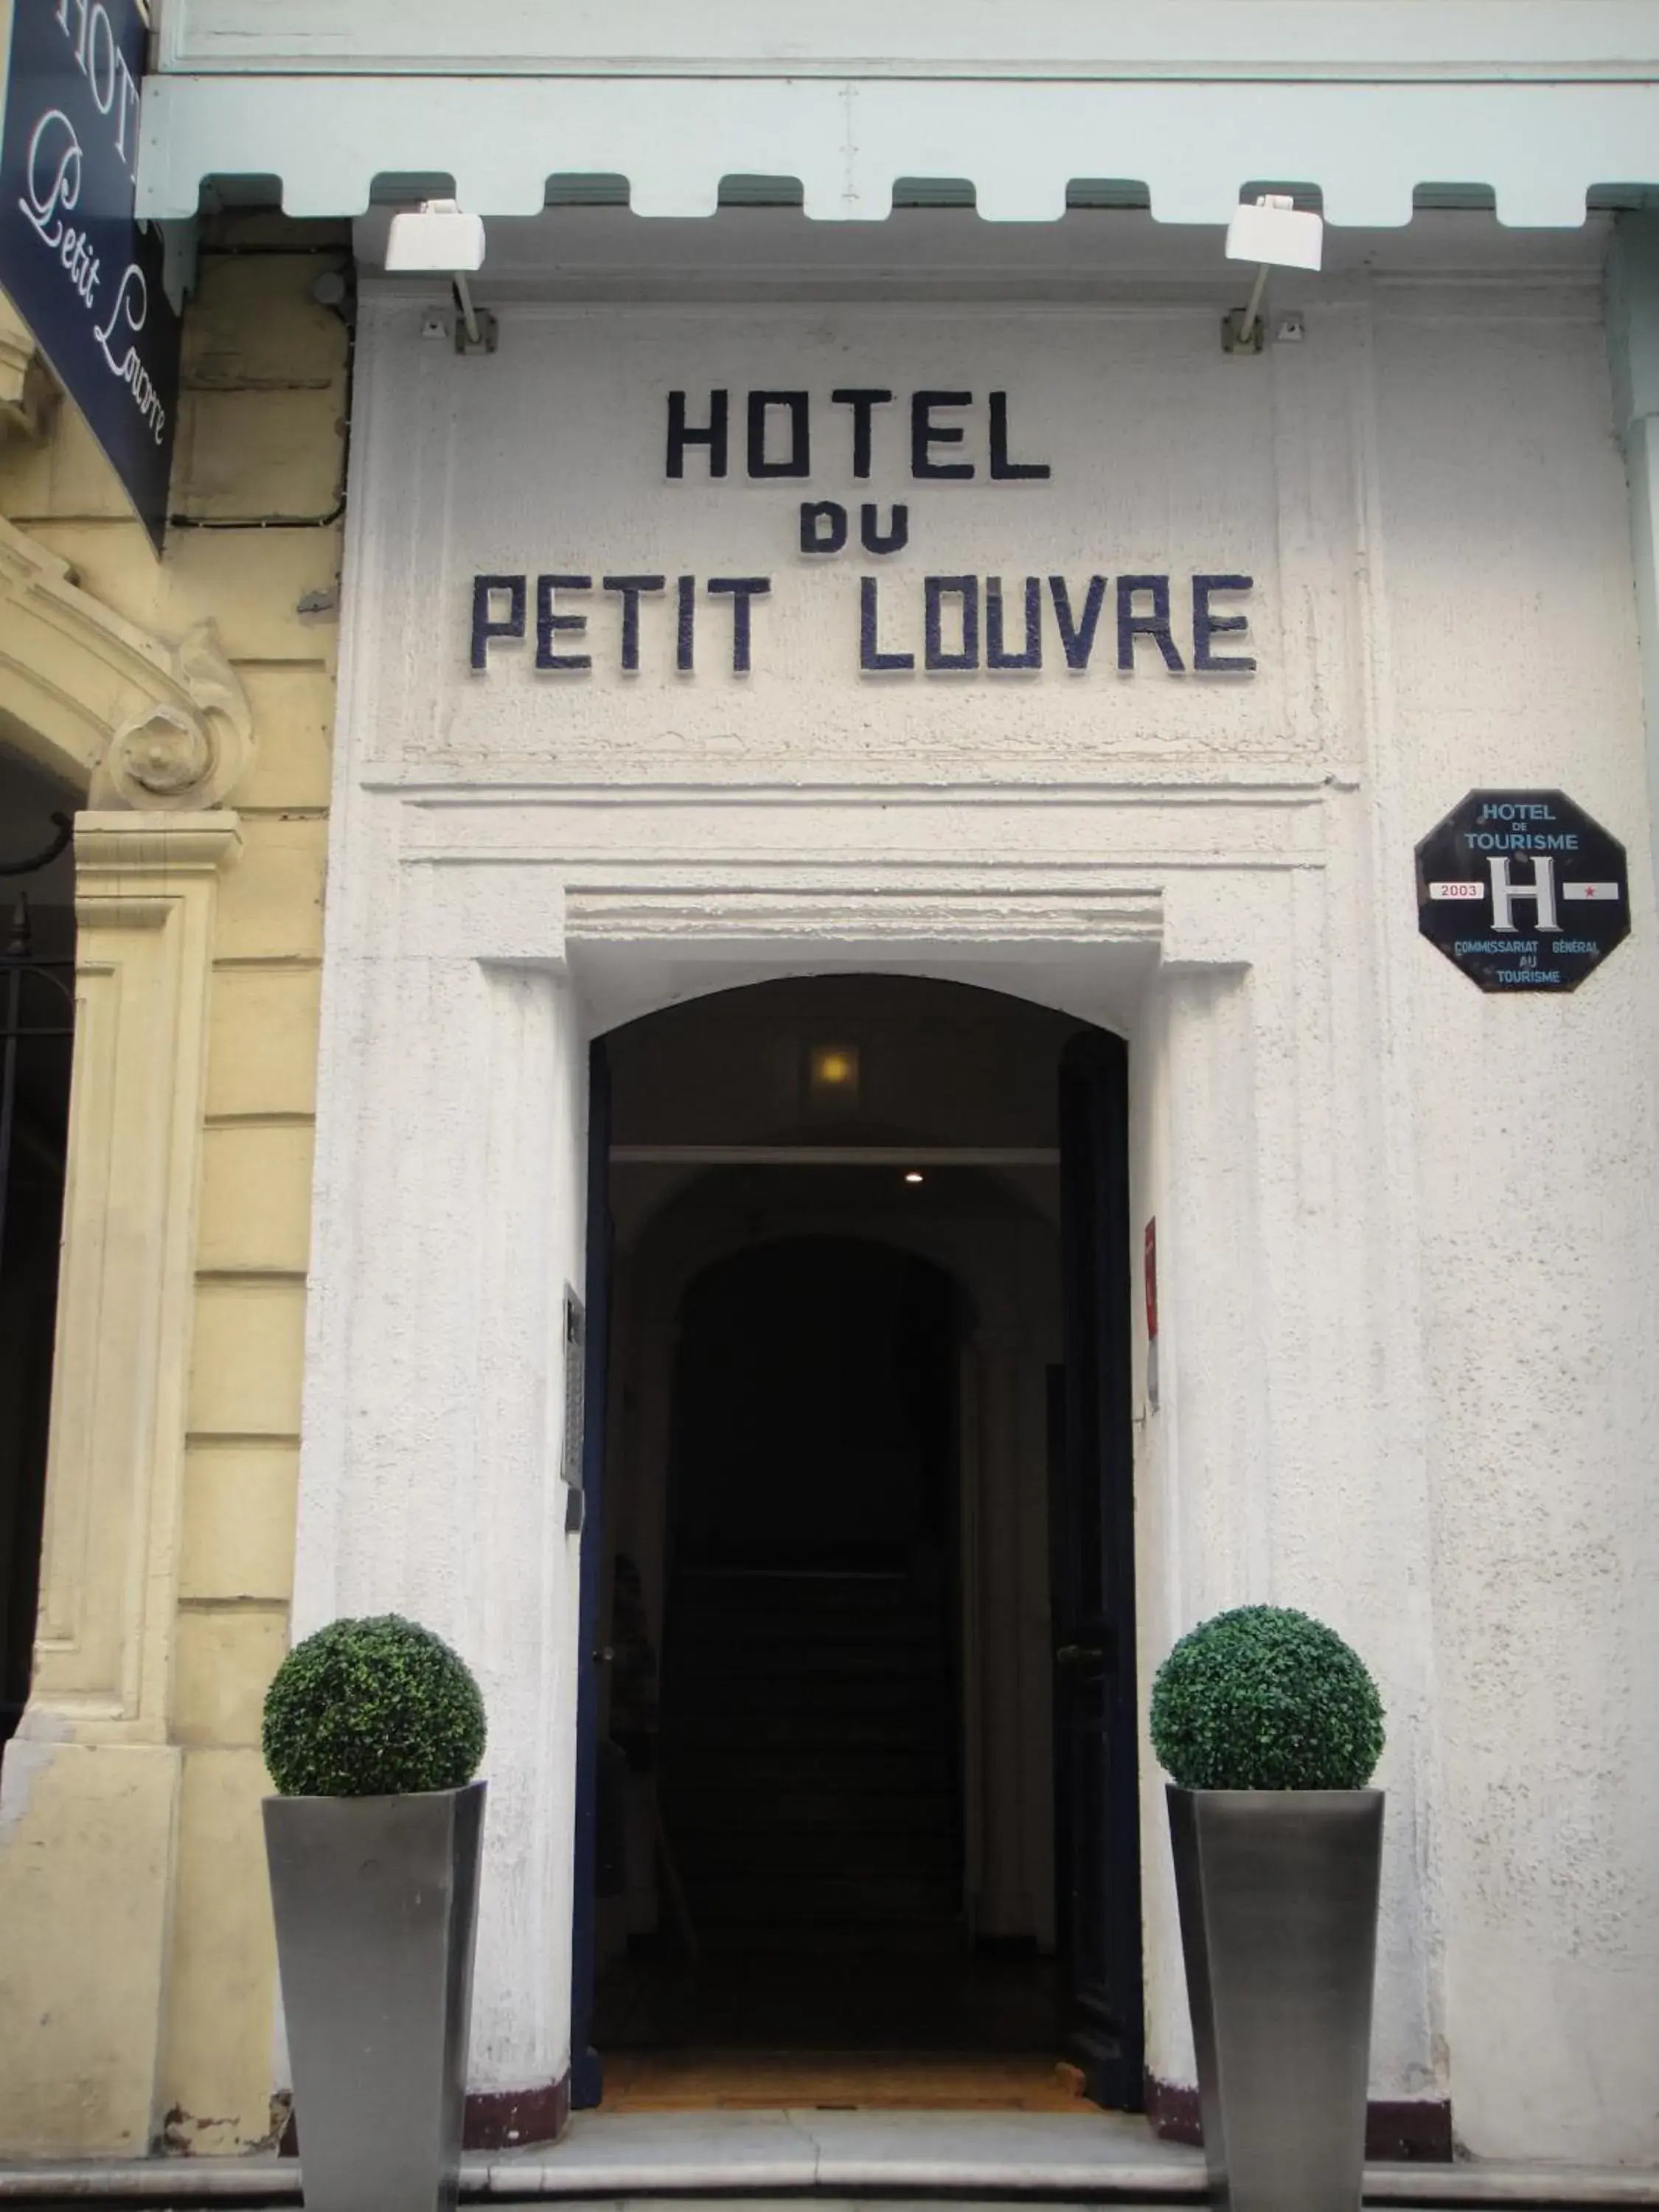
(507, 2119)
(1401, 2127)
(1396, 2128)
(496, 2119)
(1172, 2111)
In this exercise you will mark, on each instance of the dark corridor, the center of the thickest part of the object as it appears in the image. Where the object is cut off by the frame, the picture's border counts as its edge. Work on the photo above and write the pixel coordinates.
(858, 1816)
(809, 1755)
(37, 1022)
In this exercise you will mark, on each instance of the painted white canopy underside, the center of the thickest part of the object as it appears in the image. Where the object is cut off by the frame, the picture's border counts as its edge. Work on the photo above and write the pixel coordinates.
(1540, 102)
(1540, 149)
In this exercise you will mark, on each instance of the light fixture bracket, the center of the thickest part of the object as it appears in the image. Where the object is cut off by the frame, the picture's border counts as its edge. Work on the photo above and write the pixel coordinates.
(1274, 230)
(1275, 234)
(435, 238)
(1243, 329)
(477, 330)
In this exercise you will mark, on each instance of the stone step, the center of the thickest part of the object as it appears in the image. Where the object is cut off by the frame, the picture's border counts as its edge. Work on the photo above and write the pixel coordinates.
(768, 2161)
(741, 1621)
(814, 1804)
(841, 1758)
(696, 1662)
(877, 1900)
(789, 1701)
(794, 1852)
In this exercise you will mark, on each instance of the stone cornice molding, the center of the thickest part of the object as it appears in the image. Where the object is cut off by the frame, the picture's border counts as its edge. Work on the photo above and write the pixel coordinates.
(111, 844)
(141, 724)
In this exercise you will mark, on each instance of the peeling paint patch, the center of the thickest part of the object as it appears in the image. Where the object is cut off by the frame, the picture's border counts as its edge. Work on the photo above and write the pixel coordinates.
(186, 2135)
(282, 2120)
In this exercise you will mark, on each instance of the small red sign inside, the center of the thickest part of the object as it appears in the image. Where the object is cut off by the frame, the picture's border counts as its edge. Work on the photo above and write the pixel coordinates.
(1151, 1280)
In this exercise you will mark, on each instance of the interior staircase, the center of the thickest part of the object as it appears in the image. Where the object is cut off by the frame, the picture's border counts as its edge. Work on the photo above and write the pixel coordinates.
(807, 1782)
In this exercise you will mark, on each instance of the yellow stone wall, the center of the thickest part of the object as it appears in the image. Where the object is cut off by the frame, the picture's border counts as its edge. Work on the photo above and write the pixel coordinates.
(148, 1980)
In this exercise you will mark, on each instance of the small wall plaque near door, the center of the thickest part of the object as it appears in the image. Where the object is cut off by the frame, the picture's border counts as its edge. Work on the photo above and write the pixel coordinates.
(576, 1369)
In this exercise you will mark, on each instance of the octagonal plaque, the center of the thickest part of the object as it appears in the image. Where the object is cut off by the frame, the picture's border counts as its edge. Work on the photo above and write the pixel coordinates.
(1522, 890)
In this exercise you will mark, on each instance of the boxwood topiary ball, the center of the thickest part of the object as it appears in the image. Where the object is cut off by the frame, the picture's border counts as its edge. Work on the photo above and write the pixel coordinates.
(1264, 1698)
(374, 1708)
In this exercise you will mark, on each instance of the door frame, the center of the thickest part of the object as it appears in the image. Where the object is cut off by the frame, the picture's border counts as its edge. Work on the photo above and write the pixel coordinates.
(587, 2064)
(1109, 2041)
(1093, 1604)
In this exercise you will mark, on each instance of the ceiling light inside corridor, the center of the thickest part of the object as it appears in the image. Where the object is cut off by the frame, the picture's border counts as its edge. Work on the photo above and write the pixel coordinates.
(832, 1075)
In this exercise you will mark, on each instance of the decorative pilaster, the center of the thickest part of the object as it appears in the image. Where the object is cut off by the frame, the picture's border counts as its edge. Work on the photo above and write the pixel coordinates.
(88, 1798)
(435, 1383)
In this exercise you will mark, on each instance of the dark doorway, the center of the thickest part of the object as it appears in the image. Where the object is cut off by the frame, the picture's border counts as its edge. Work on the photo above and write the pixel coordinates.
(863, 1609)
(809, 1710)
(37, 1007)
(1091, 1583)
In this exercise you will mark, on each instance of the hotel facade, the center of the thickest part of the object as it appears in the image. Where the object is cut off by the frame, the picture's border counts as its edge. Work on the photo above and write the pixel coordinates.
(830, 956)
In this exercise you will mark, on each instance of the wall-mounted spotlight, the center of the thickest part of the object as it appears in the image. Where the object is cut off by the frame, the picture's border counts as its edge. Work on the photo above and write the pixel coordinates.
(437, 238)
(1275, 234)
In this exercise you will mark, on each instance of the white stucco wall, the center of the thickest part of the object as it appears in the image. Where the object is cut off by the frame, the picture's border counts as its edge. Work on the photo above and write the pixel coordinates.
(1404, 1230)
(1512, 646)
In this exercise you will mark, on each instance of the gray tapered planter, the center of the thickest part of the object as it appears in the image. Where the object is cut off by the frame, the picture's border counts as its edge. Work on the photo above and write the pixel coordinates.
(1277, 1892)
(376, 1905)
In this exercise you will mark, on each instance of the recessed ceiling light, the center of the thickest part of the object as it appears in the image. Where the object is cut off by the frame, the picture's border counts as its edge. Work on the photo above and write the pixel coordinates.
(832, 1076)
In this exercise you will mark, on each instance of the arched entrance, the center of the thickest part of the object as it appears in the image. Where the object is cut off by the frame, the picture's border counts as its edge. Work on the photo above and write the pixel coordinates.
(863, 1796)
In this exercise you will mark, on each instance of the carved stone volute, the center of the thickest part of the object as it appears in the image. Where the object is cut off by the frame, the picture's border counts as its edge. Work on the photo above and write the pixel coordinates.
(186, 753)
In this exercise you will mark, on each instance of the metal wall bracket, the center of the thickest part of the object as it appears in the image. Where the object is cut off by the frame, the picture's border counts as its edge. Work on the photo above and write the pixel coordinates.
(476, 328)
(488, 335)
